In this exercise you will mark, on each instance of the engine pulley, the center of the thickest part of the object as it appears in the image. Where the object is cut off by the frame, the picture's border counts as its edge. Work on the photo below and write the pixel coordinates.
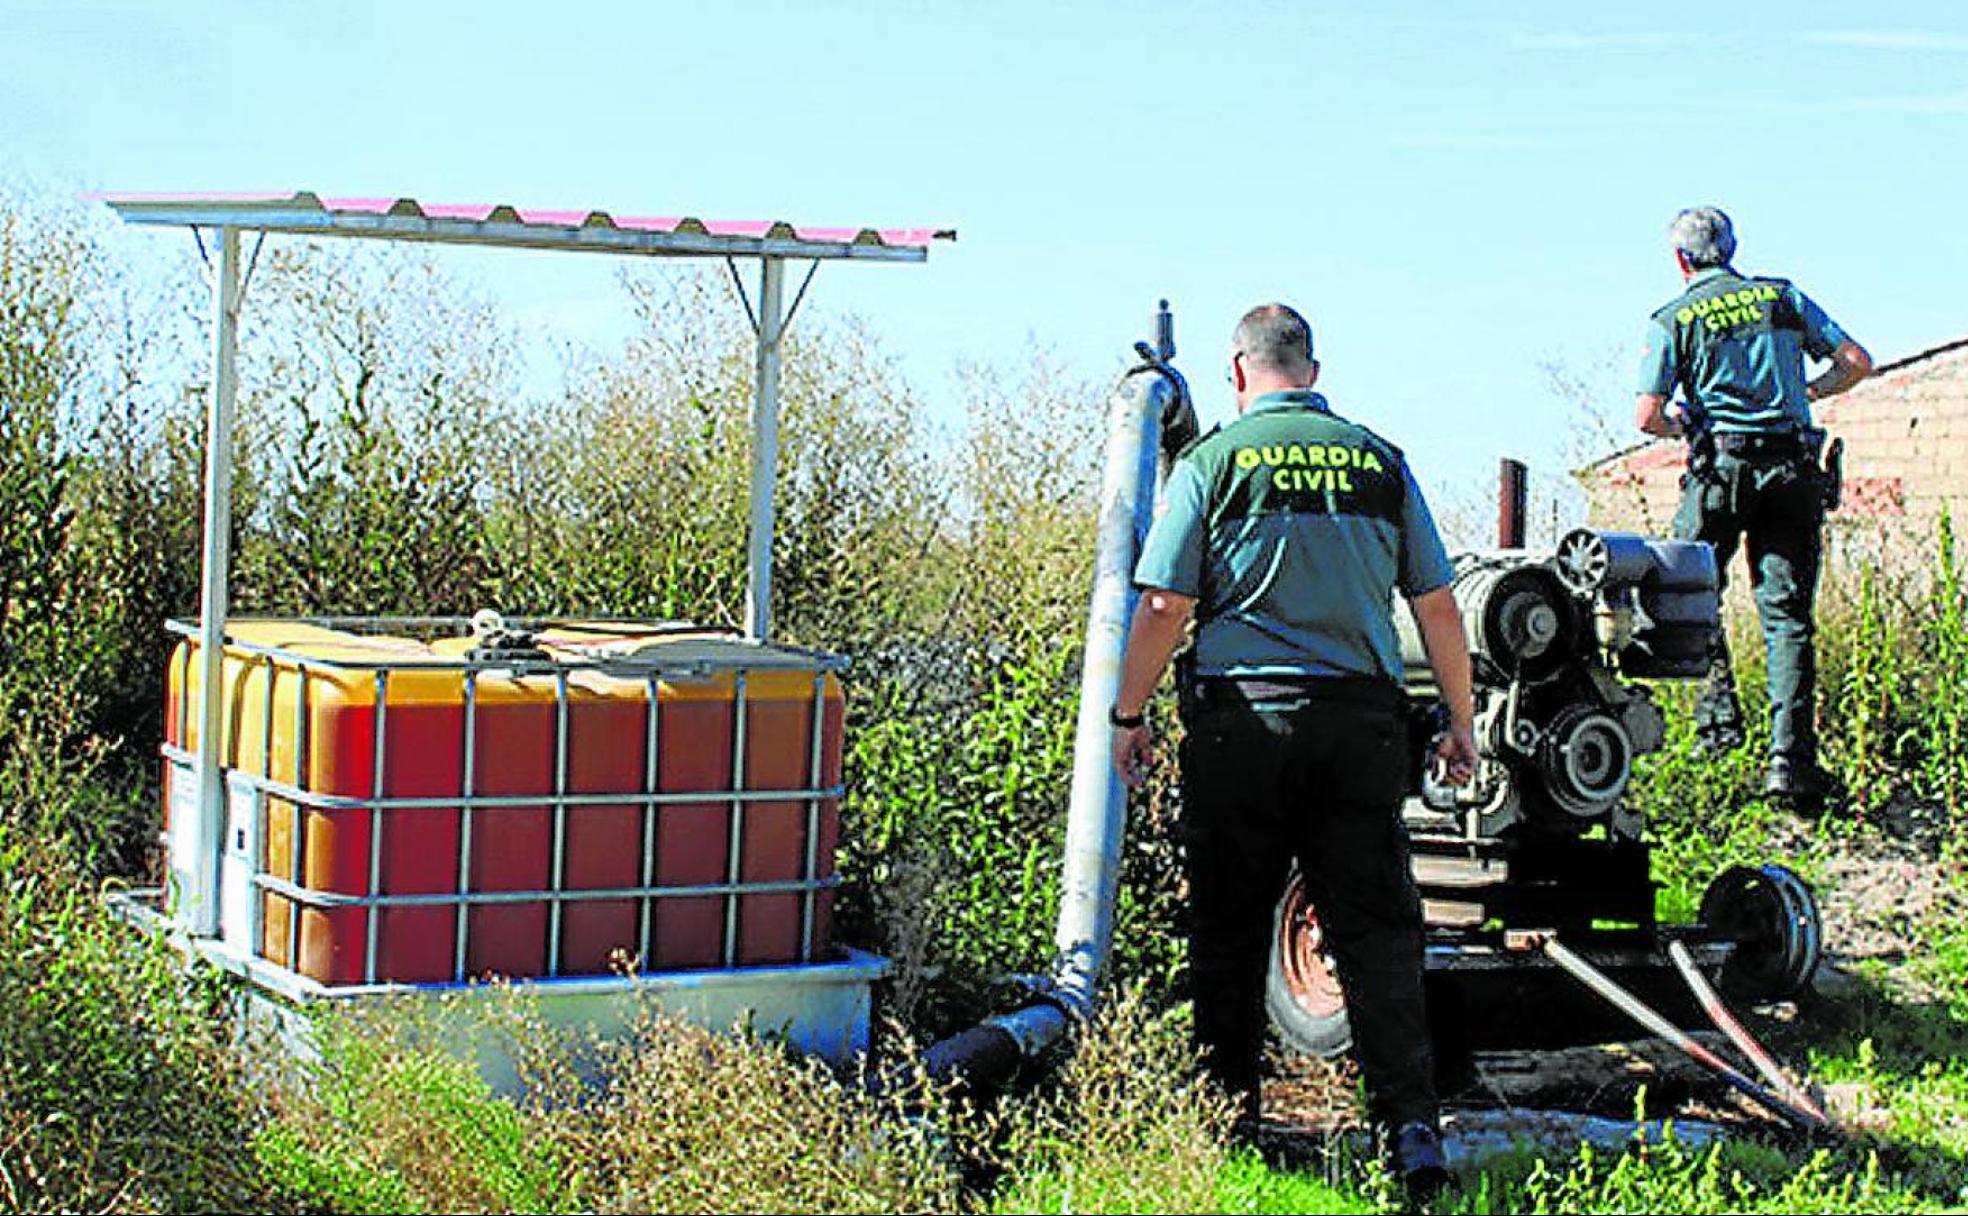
(1519, 619)
(1585, 759)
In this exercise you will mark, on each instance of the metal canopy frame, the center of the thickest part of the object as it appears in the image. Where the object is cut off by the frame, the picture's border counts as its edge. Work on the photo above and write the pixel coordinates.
(403, 219)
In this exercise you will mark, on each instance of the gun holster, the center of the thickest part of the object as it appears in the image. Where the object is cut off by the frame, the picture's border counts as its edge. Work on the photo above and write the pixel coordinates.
(1834, 475)
(1701, 453)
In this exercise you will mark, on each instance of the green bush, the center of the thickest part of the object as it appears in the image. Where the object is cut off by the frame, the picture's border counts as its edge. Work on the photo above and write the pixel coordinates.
(1893, 683)
(394, 1117)
(1128, 1125)
(1672, 1177)
(669, 1118)
(119, 1086)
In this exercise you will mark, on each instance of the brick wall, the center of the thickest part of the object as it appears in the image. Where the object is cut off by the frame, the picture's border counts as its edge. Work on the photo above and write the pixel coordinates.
(1906, 454)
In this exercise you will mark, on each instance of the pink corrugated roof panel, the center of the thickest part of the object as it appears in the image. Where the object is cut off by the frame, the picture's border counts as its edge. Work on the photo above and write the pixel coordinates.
(553, 218)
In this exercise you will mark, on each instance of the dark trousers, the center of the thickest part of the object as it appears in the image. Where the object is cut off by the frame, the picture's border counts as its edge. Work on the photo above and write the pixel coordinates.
(1777, 507)
(1318, 778)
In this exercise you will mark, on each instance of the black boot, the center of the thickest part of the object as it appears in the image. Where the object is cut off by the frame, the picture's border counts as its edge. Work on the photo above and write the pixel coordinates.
(1799, 780)
(1718, 713)
(1718, 721)
(1419, 1162)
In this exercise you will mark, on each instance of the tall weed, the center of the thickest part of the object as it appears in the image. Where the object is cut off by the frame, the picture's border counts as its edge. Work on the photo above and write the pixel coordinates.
(1672, 1177)
(670, 1117)
(1129, 1125)
(119, 1088)
(1943, 773)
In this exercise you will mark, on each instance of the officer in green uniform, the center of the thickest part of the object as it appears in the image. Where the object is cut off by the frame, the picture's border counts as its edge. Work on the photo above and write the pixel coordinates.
(1285, 534)
(1734, 345)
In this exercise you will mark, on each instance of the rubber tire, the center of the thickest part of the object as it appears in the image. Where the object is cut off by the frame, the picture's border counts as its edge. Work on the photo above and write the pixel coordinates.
(1299, 1030)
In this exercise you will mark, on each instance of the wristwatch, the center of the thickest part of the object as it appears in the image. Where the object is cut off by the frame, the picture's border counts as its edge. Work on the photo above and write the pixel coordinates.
(1126, 722)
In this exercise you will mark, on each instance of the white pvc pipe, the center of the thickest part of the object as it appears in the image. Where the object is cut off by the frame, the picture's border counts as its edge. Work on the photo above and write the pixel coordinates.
(200, 907)
(765, 450)
(1096, 817)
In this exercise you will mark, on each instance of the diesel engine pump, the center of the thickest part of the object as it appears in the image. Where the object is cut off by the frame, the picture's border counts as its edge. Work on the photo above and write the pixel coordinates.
(1567, 646)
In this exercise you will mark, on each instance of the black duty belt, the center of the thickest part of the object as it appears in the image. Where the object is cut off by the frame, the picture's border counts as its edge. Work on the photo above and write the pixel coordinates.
(1761, 445)
(1364, 692)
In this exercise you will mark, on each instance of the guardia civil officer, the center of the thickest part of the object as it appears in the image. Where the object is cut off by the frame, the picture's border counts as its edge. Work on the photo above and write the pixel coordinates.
(1286, 534)
(1734, 345)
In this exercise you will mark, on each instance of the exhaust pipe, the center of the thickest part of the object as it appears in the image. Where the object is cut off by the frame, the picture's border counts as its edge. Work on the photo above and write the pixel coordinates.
(1149, 419)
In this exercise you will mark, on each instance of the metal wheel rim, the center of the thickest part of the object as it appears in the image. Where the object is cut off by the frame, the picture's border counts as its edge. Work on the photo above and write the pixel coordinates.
(1774, 920)
(1304, 961)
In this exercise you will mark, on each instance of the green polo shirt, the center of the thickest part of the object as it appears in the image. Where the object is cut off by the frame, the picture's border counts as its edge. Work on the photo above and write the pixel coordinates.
(1292, 528)
(1735, 346)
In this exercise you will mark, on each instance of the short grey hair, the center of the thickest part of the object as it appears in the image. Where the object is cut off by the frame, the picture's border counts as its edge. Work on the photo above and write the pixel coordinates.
(1275, 336)
(1705, 235)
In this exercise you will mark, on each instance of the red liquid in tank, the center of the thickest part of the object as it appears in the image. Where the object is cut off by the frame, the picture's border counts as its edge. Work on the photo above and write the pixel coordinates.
(511, 846)
(779, 756)
(692, 838)
(607, 739)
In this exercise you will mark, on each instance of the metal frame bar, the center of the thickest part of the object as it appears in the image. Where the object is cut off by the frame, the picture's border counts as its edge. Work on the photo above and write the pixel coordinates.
(651, 774)
(557, 874)
(256, 844)
(343, 802)
(296, 821)
(143, 907)
(744, 297)
(1633, 1007)
(765, 449)
(446, 899)
(468, 784)
(792, 310)
(376, 830)
(734, 862)
(201, 901)
(780, 655)
(812, 866)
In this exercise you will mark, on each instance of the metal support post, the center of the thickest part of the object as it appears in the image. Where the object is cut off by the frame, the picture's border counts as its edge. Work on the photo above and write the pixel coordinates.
(200, 906)
(765, 450)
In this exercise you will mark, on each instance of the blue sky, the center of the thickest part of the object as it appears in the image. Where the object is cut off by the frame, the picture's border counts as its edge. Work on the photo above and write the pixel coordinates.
(1452, 192)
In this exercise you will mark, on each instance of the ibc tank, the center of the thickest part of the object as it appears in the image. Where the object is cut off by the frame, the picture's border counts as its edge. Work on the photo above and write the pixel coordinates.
(406, 812)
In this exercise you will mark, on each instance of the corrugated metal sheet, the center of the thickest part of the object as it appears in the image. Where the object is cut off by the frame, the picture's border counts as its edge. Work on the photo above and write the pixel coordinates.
(500, 224)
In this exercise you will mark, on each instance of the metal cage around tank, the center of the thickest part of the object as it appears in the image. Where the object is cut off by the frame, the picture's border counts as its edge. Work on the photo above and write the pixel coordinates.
(254, 797)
